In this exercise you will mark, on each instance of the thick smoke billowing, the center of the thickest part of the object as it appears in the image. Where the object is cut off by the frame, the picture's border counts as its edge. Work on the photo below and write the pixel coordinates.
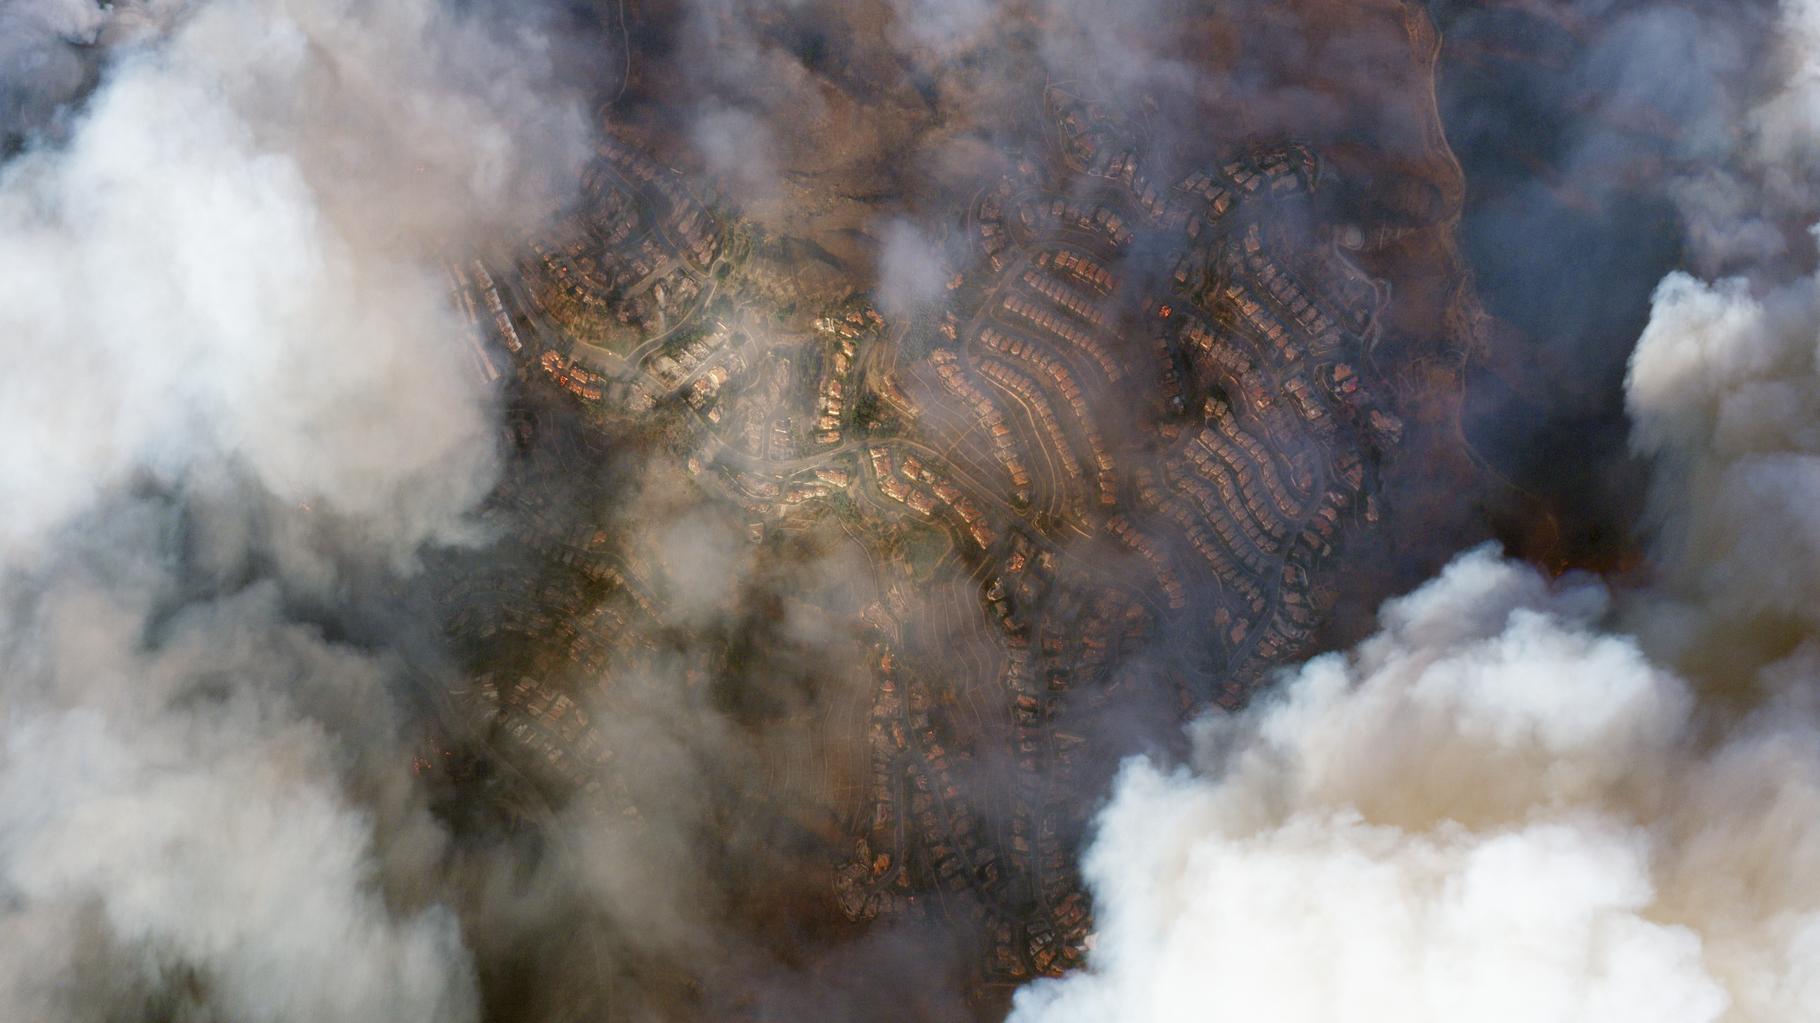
(1534, 800)
(1491, 810)
(224, 263)
(232, 380)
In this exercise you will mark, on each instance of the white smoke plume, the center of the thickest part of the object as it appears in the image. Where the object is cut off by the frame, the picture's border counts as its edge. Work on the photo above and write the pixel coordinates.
(233, 258)
(1723, 391)
(1525, 800)
(1492, 810)
(231, 370)
(913, 269)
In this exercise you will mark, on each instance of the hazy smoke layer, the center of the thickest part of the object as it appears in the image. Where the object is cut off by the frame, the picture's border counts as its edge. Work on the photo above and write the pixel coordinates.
(1528, 801)
(231, 374)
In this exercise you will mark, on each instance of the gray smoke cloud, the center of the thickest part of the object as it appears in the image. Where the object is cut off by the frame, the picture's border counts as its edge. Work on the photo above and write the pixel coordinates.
(234, 383)
(42, 61)
(942, 27)
(194, 822)
(1525, 799)
(1600, 153)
